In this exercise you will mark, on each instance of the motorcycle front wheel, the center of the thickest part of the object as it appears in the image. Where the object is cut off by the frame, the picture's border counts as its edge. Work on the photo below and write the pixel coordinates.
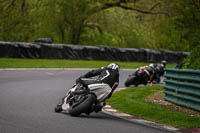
(84, 106)
(131, 81)
(58, 109)
(128, 82)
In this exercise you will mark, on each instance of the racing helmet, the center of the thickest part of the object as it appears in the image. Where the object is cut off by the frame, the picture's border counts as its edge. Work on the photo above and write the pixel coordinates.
(151, 65)
(114, 66)
(164, 62)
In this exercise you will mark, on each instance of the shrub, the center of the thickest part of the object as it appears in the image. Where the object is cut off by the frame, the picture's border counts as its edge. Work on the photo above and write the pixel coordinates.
(193, 61)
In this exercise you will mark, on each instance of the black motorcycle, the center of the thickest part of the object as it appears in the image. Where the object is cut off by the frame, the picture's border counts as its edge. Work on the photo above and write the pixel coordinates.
(140, 77)
(79, 100)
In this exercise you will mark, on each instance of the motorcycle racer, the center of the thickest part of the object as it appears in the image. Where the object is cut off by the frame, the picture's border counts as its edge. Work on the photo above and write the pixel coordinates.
(105, 81)
(100, 82)
(159, 70)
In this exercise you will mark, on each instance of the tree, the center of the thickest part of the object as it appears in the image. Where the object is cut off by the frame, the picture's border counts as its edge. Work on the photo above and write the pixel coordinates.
(189, 20)
(76, 14)
(16, 22)
(66, 20)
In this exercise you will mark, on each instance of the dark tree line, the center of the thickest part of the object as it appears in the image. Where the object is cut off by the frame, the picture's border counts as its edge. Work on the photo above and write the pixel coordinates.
(156, 24)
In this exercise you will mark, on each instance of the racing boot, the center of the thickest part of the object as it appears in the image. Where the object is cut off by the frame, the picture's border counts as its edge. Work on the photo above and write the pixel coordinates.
(99, 107)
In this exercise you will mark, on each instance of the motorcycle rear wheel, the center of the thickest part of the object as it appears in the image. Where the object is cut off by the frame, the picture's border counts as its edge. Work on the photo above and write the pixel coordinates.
(83, 107)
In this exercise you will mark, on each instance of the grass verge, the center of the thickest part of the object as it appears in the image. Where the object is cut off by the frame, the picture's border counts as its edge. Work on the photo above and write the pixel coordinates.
(132, 101)
(53, 63)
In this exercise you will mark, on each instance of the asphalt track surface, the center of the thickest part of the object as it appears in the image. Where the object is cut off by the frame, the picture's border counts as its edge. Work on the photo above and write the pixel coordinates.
(28, 98)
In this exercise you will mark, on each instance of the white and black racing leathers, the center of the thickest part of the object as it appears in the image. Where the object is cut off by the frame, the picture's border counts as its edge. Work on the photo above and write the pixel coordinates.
(105, 82)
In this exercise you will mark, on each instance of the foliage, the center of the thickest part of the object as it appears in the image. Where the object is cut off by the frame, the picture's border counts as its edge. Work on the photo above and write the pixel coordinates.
(190, 20)
(193, 61)
(16, 21)
(181, 31)
(120, 28)
(170, 37)
(153, 24)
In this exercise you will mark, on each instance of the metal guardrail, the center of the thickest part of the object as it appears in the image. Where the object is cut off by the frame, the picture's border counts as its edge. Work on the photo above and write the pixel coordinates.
(182, 87)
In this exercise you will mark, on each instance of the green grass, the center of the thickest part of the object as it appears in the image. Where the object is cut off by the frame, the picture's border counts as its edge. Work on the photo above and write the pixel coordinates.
(132, 101)
(53, 63)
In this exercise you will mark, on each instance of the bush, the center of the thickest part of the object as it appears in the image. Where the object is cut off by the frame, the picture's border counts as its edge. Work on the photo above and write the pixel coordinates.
(193, 61)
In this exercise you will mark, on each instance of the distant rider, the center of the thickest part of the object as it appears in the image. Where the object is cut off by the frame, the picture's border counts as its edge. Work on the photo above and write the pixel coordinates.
(159, 70)
(145, 73)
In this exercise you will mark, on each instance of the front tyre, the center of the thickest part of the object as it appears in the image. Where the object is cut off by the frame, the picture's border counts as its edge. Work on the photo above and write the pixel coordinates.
(58, 108)
(129, 81)
(84, 106)
(133, 80)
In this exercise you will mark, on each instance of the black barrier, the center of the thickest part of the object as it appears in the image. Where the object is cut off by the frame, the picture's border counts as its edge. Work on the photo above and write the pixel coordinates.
(46, 50)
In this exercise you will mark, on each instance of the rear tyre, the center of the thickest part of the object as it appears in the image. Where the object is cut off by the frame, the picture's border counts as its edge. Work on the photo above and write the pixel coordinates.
(83, 107)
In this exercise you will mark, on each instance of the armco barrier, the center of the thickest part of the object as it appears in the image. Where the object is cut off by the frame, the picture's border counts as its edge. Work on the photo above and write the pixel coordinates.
(182, 87)
(48, 50)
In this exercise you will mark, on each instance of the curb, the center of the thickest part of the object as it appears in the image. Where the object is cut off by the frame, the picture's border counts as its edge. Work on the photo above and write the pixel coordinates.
(110, 111)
